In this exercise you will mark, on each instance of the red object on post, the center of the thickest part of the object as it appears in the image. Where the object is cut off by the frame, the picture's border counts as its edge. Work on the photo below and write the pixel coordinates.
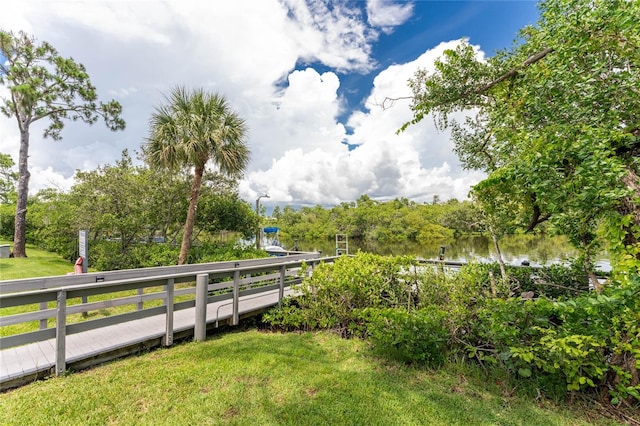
(77, 269)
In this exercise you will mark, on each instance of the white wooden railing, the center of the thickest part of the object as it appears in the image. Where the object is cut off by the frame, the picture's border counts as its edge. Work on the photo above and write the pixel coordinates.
(201, 284)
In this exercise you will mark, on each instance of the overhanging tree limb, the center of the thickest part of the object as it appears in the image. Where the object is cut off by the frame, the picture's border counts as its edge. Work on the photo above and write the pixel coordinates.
(509, 74)
(514, 71)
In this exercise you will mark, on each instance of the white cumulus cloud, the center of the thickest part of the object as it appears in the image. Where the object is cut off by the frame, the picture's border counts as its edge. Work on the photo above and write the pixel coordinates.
(281, 64)
(387, 14)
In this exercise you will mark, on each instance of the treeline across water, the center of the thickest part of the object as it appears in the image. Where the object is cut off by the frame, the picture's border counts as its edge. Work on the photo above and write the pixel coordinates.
(367, 220)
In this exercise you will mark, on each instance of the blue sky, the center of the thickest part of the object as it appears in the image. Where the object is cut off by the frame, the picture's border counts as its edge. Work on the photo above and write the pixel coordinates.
(491, 24)
(307, 75)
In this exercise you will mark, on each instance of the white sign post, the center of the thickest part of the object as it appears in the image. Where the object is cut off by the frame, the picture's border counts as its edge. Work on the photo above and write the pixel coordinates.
(84, 249)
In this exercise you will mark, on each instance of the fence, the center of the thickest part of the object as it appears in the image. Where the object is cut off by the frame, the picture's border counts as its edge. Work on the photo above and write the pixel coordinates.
(147, 292)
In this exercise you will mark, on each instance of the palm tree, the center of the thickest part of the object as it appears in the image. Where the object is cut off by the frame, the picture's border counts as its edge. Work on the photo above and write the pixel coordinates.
(190, 130)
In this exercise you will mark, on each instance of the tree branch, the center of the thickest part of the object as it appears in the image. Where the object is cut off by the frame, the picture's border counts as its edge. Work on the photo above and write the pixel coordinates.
(393, 101)
(511, 73)
(537, 217)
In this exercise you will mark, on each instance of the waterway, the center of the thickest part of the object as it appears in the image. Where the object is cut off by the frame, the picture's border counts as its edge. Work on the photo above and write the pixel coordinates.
(536, 249)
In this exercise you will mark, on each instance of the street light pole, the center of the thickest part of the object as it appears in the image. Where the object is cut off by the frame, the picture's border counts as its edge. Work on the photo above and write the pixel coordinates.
(258, 213)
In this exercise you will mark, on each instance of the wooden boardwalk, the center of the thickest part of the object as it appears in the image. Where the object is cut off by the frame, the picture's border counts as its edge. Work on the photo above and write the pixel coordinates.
(22, 364)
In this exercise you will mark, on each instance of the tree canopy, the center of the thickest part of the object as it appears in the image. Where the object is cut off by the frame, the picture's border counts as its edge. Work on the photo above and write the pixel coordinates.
(45, 85)
(135, 215)
(554, 122)
(8, 178)
(394, 221)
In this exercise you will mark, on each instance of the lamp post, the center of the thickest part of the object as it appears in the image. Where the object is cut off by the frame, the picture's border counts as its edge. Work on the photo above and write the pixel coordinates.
(258, 213)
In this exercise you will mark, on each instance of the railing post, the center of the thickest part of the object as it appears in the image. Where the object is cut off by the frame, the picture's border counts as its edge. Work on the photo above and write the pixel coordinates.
(85, 300)
(43, 322)
(140, 304)
(200, 327)
(236, 298)
(61, 332)
(283, 272)
(168, 334)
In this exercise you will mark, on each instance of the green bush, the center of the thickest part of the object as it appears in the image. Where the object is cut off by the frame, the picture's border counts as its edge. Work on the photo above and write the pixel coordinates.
(552, 281)
(419, 336)
(585, 343)
(434, 232)
(588, 342)
(218, 252)
(451, 293)
(108, 255)
(288, 317)
(330, 298)
(7, 220)
(153, 254)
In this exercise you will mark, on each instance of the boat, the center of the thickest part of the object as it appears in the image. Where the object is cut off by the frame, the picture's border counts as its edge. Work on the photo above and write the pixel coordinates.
(270, 242)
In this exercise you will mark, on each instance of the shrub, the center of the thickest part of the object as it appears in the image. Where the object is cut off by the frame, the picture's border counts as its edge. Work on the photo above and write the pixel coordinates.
(418, 336)
(552, 281)
(434, 232)
(331, 296)
(108, 255)
(288, 317)
(590, 341)
(218, 252)
(155, 254)
(454, 294)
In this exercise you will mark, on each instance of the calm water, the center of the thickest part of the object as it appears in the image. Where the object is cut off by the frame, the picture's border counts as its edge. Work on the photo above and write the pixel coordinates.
(538, 250)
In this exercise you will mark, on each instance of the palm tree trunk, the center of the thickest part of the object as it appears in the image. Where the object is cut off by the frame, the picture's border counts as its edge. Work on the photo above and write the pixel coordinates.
(191, 215)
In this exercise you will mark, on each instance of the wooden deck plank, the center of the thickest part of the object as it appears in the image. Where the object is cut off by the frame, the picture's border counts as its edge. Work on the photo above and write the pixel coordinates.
(26, 360)
(15, 366)
(147, 327)
(73, 349)
(4, 368)
(114, 336)
(40, 356)
(96, 344)
(23, 359)
(48, 348)
(82, 345)
(184, 319)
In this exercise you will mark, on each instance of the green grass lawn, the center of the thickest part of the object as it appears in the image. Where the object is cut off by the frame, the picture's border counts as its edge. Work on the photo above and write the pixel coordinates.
(38, 263)
(255, 378)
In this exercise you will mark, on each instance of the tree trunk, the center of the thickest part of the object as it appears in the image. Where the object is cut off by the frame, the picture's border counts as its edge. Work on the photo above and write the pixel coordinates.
(19, 240)
(191, 215)
(503, 272)
(594, 283)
